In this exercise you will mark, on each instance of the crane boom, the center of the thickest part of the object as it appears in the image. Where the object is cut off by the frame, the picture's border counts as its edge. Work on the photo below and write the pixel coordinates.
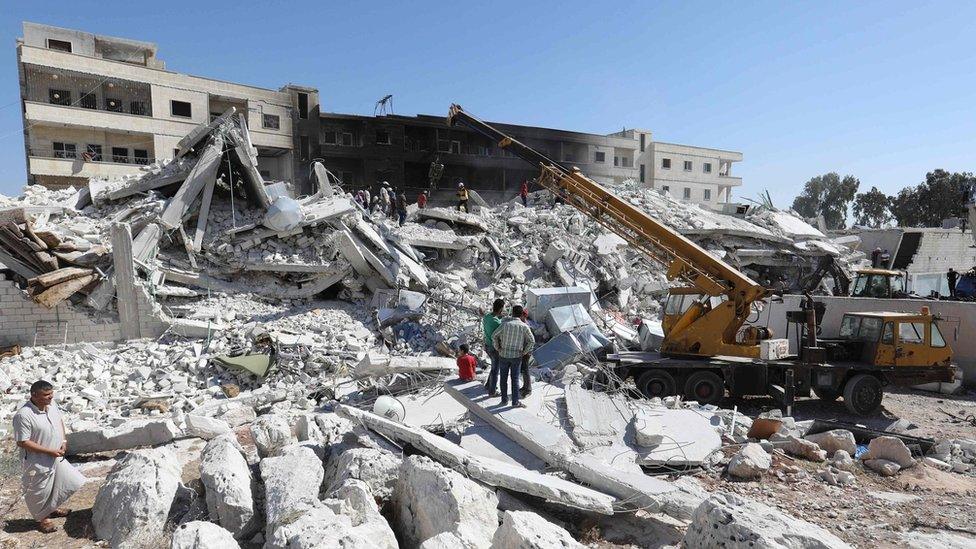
(702, 330)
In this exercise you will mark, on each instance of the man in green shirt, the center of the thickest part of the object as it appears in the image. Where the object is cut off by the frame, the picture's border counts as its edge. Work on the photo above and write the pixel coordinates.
(489, 323)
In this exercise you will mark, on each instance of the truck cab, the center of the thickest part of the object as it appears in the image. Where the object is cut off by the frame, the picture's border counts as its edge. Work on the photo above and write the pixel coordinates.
(892, 339)
(879, 283)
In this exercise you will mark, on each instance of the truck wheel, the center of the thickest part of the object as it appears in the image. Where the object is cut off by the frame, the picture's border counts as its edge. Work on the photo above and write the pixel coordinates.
(862, 394)
(826, 394)
(705, 387)
(656, 383)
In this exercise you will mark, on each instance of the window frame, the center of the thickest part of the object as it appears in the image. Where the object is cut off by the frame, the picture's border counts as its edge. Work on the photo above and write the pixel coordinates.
(688, 166)
(95, 151)
(389, 137)
(172, 108)
(118, 105)
(706, 167)
(920, 334)
(142, 160)
(51, 41)
(600, 157)
(643, 174)
(686, 193)
(65, 101)
(302, 106)
(116, 156)
(265, 118)
(707, 195)
(335, 137)
(665, 163)
(67, 150)
(351, 143)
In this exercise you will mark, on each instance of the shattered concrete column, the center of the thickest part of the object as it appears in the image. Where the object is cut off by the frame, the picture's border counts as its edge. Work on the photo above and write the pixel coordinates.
(203, 173)
(125, 281)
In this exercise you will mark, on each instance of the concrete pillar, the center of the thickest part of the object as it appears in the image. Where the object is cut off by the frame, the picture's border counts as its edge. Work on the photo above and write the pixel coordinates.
(125, 281)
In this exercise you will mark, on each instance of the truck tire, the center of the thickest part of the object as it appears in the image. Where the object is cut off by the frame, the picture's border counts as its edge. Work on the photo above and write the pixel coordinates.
(862, 394)
(705, 387)
(826, 394)
(656, 383)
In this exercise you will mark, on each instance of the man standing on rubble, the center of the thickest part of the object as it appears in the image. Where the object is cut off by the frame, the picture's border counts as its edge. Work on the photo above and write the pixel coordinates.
(401, 205)
(953, 277)
(513, 340)
(48, 479)
(384, 198)
(524, 193)
(462, 195)
(526, 389)
(489, 323)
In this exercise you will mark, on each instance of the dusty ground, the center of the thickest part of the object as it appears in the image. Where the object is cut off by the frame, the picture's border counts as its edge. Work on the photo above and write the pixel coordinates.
(874, 512)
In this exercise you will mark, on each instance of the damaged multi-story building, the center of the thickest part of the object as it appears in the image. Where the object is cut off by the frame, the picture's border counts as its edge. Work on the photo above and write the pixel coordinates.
(100, 106)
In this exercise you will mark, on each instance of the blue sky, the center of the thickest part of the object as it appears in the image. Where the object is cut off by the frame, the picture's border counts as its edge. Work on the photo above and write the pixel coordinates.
(882, 90)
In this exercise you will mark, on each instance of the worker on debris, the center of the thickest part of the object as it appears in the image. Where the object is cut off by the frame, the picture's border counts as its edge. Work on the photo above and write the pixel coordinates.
(489, 323)
(526, 389)
(366, 199)
(524, 193)
(876, 258)
(953, 277)
(361, 199)
(401, 207)
(466, 363)
(384, 198)
(48, 479)
(885, 259)
(422, 200)
(462, 195)
(513, 340)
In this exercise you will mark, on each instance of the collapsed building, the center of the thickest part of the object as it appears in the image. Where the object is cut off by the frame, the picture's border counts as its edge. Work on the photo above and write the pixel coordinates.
(301, 348)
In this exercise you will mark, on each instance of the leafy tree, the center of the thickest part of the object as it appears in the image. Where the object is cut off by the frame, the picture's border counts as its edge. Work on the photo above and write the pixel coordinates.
(827, 195)
(942, 195)
(872, 209)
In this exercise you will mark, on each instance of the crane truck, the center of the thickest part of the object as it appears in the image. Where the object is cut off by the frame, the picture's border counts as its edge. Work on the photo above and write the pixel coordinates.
(707, 347)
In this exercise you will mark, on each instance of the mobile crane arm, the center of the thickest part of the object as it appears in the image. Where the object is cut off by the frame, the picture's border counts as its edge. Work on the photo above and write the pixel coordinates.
(702, 330)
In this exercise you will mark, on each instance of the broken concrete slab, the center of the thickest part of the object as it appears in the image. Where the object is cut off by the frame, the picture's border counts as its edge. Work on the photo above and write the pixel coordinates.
(733, 521)
(452, 216)
(229, 487)
(594, 418)
(558, 351)
(688, 437)
(431, 499)
(131, 507)
(376, 365)
(271, 433)
(539, 300)
(567, 318)
(750, 462)
(89, 438)
(530, 531)
(486, 470)
(834, 440)
(292, 482)
(201, 534)
(891, 449)
(204, 427)
(203, 172)
(378, 469)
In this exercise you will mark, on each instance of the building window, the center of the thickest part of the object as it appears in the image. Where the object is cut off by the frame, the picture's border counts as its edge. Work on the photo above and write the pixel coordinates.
(271, 121)
(599, 156)
(88, 101)
(113, 105)
(303, 143)
(347, 139)
(625, 162)
(643, 139)
(707, 167)
(139, 107)
(666, 189)
(666, 163)
(59, 97)
(641, 173)
(140, 156)
(59, 45)
(64, 150)
(93, 153)
(180, 108)
(303, 106)
(687, 165)
(120, 155)
(687, 193)
(453, 147)
(706, 194)
(616, 161)
(382, 137)
(330, 137)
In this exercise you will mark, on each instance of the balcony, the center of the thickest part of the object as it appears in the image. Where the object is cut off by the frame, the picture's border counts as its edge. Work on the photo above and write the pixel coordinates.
(68, 161)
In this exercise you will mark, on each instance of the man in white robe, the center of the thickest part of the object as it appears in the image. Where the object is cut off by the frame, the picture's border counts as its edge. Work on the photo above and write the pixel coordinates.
(48, 479)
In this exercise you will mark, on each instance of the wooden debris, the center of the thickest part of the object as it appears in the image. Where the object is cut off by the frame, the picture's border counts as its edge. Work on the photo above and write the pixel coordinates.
(59, 292)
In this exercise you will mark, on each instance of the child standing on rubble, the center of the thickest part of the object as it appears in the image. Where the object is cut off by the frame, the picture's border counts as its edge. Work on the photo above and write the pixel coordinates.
(466, 363)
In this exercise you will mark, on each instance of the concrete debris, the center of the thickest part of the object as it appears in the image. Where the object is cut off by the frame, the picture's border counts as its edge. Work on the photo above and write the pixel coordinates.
(890, 449)
(88, 438)
(750, 462)
(842, 461)
(132, 506)
(229, 487)
(271, 433)
(431, 499)
(804, 449)
(528, 530)
(376, 468)
(204, 427)
(731, 521)
(291, 483)
(834, 440)
(202, 535)
(688, 437)
(882, 466)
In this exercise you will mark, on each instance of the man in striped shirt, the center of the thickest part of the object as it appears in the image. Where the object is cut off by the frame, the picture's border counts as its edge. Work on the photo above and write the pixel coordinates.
(512, 340)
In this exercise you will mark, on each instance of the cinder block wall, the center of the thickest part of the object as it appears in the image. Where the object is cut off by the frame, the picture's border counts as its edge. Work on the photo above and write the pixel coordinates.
(19, 316)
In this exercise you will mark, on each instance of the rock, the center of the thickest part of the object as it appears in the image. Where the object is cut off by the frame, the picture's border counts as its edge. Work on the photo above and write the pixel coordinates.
(271, 433)
(202, 535)
(307, 429)
(889, 449)
(938, 464)
(833, 440)
(682, 503)
(235, 414)
(431, 499)
(204, 427)
(291, 484)
(333, 427)
(355, 500)
(378, 469)
(835, 477)
(937, 540)
(804, 449)
(527, 530)
(229, 487)
(444, 540)
(842, 461)
(960, 467)
(132, 506)
(750, 462)
(727, 520)
(131, 434)
(882, 466)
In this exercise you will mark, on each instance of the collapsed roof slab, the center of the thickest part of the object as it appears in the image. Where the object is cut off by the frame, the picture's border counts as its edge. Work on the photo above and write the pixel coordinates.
(203, 173)
(486, 470)
(199, 133)
(453, 216)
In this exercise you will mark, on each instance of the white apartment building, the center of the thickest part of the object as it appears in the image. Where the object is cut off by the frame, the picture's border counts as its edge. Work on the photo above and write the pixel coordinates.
(99, 106)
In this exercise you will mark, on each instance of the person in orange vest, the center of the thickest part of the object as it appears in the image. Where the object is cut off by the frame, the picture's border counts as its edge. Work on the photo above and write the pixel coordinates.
(462, 195)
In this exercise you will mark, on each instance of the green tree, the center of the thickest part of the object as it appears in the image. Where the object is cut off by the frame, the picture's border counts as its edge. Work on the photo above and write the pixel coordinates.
(827, 195)
(942, 195)
(872, 209)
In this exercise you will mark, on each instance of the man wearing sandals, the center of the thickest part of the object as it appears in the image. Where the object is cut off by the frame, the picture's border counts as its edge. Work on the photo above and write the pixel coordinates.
(48, 479)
